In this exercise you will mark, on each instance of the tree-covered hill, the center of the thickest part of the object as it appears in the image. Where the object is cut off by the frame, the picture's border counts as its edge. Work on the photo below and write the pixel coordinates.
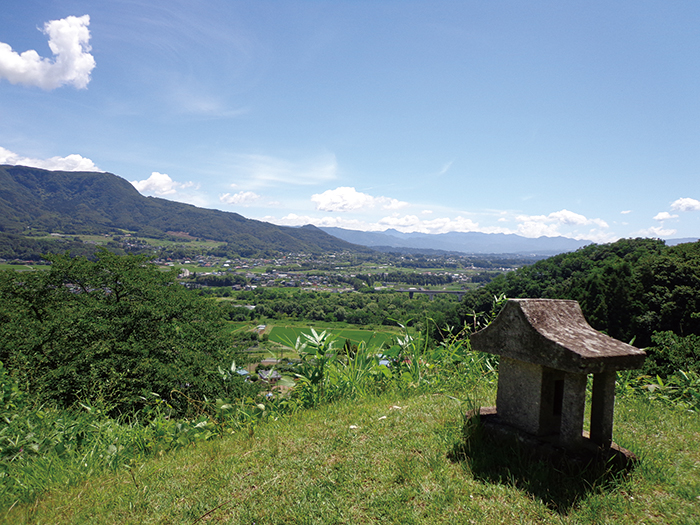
(628, 289)
(92, 203)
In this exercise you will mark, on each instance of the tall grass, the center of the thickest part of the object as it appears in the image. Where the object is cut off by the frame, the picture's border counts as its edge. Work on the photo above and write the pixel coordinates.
(42, 448)
(386, 459)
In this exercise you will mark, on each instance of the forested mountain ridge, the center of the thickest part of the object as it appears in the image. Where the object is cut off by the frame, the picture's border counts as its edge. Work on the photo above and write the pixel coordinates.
(91, 203)
(630, 289)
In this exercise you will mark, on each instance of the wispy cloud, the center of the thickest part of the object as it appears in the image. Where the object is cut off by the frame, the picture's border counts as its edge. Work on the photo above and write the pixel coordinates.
(445, 168)
(195, 102)
(349, 199)
(69, 163)
(263, 170)
(73, 63)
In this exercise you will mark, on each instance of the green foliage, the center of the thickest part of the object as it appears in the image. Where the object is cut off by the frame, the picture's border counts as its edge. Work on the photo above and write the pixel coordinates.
(90, 203)
(111, 330)
(670, 353)
(627, 289)
(679, 390)
(328, 372)
(379, 308)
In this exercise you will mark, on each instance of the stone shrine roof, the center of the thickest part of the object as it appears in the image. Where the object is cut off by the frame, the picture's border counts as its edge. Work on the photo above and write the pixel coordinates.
(554, 333)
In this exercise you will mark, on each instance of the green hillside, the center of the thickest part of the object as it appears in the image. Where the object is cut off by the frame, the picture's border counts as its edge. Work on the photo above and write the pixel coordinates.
(32, 199)
(629, 289)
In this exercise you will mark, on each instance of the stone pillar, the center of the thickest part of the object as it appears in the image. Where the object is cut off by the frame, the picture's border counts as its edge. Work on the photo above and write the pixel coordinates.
(519, 395)
(572, 410)
(602, 405)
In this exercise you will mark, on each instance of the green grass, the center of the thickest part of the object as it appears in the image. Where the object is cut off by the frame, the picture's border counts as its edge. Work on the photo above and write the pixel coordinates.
(369, 462)
(20, 267)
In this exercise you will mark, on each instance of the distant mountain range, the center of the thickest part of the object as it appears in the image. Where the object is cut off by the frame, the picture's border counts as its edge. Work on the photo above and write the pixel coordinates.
(33, 199)
(462, 242)
(96, 203)
(466, 242)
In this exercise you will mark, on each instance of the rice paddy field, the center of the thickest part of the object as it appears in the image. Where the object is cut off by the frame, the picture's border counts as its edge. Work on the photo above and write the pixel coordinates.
(286, 334)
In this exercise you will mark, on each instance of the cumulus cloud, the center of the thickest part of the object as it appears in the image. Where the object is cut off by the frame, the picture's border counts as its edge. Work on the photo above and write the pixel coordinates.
(655, 231)
(625, 212)
(548, 225)
(349, 199)
(263, 170)
(160, 184)
(664, 215)
(242, 198)
(411, 223)
(686, 204)
(562, 223)
(73, 63)
(70, 163)
(403, 223)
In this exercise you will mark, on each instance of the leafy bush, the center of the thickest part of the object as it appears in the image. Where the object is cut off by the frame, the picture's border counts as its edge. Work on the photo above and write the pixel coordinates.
(670, 353)
(111, 331)
(627, 289)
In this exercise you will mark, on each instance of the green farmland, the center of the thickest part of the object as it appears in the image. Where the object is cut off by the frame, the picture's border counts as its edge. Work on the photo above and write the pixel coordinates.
(286, 334)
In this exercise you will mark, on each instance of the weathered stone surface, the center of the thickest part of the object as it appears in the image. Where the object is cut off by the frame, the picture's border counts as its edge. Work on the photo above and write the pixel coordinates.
(526, 396)
(549, 448)
(554, 333)
(547, 350)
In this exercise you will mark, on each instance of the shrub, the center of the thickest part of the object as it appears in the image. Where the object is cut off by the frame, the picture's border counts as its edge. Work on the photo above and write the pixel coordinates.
(111, 330)
(670, 352)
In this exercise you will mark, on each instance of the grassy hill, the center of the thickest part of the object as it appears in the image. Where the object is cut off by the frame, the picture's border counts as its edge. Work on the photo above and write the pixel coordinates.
(388, 460)
(93, 203)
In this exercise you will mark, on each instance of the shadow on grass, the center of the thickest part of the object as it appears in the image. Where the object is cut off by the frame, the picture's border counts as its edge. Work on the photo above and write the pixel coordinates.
(557, 479)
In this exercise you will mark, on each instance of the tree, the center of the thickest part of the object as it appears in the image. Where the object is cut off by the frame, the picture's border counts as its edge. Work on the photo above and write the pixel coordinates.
(114, 329)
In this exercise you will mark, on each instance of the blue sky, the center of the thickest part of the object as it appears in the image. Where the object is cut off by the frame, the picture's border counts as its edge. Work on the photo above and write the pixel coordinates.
(546, 118)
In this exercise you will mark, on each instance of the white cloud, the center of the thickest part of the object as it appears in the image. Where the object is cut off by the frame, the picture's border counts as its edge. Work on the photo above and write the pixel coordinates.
(404, 223)
(242, 198)
(160, 184)
(445, 168)
(68, 40)
(686, 204)
(388, 203)
(263, 170)
(349, 199)
(551, 225)
(625, 212)
(664, 215)
(337, 221)
(342, 199)
(534, 228)
(438, 225)
(70, 163)
(529, 226)
(655, 231)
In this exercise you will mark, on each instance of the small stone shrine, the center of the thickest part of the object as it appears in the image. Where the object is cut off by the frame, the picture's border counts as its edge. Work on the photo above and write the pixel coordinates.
(547, 349)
